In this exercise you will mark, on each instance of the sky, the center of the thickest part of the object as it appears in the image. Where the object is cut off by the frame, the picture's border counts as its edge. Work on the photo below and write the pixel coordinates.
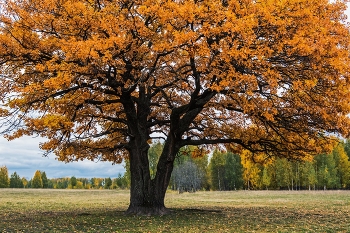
(24, 157)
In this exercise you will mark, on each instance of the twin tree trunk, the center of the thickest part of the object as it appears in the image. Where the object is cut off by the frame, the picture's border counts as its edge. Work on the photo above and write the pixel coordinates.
(146, 194)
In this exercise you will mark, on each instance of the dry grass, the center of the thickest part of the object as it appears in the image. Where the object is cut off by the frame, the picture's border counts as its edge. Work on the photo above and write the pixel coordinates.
(242, 211)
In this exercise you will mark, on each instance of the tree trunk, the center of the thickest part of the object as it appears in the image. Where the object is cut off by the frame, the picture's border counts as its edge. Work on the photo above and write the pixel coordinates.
(146, 195)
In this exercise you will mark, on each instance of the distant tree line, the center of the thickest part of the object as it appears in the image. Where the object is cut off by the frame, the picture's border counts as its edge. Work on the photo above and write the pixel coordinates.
(228, 171)
(195, 170)
(40, 180)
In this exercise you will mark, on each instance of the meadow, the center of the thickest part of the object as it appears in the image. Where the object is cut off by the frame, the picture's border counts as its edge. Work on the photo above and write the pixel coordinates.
(40, 210)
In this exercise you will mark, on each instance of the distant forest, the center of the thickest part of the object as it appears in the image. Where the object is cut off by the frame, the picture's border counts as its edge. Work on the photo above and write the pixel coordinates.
(195, 170)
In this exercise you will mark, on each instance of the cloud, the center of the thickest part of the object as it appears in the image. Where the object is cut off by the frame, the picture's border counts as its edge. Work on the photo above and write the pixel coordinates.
(24, 157)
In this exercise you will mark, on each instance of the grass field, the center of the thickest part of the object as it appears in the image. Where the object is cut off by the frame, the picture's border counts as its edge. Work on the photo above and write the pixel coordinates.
(30, 210)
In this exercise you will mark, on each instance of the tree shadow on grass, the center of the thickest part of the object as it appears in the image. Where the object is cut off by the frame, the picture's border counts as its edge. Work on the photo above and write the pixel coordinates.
(264, 219)
(201, 219)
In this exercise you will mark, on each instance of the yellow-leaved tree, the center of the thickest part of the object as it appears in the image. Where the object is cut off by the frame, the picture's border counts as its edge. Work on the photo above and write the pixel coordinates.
(251, 171)
(100, 78)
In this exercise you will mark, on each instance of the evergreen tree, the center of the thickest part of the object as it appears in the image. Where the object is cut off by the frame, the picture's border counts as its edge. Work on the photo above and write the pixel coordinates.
(44, 180)
(92, 182)
(233, 171)
(37, 181)
(108, 183)
(62, 183)
(15, 181)
(121, 181)
(49, 184)
(73, 181)
(4, 177)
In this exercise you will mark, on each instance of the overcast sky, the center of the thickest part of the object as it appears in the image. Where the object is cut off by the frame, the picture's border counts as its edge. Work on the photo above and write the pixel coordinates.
(24, 157)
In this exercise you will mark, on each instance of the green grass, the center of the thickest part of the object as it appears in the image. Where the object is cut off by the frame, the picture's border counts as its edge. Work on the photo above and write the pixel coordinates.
(30, 210)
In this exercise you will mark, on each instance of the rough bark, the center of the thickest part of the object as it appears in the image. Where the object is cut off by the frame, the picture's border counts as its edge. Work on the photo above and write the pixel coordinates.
(146, 195)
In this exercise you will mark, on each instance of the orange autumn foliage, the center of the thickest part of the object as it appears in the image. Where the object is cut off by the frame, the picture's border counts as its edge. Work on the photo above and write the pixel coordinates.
(270, 76)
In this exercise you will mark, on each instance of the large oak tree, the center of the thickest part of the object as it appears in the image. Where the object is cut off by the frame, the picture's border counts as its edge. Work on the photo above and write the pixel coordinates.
(100, 78)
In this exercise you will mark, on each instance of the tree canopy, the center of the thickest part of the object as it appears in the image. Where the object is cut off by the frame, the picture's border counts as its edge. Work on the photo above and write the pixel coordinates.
(4, 177)
(99, 78)
(37, 181)
(15, 181)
